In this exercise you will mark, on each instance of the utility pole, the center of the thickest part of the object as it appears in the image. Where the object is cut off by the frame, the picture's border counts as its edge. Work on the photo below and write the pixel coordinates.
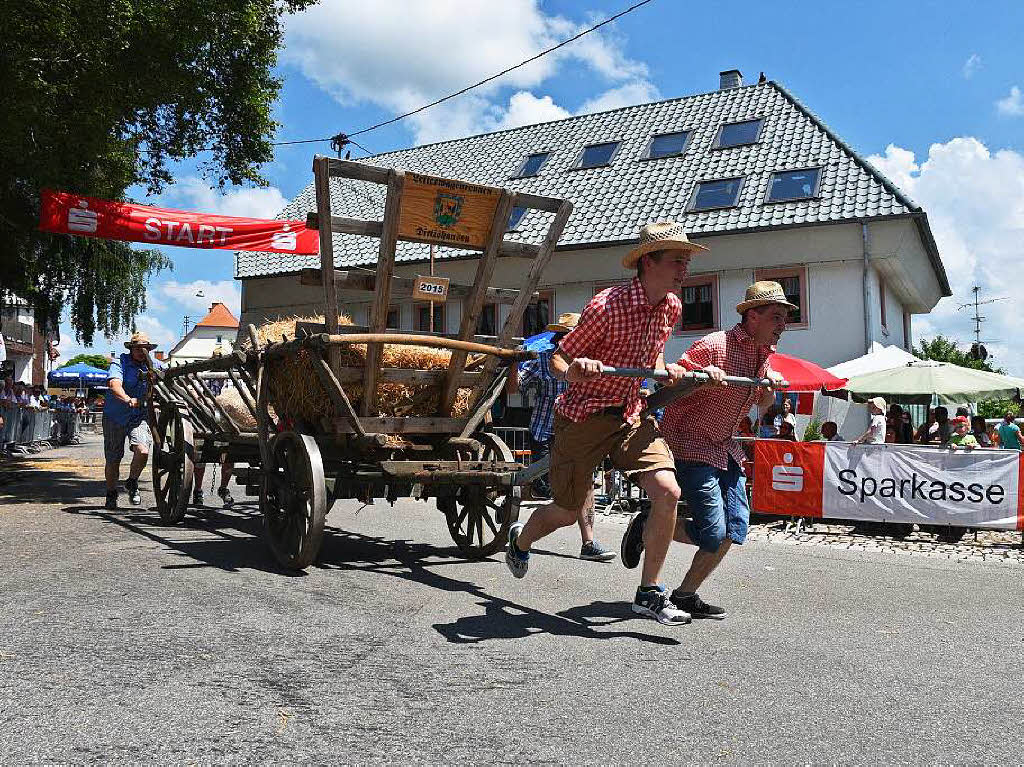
(186, 323)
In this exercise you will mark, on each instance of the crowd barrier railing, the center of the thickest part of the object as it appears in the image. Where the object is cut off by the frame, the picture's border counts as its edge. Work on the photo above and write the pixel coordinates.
(33, 430)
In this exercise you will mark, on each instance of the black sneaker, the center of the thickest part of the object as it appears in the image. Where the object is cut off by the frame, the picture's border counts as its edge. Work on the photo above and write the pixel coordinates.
(696, 606)
(632, 547)
(655, 603)
(132, 486)
(595, 552)
(111, 503)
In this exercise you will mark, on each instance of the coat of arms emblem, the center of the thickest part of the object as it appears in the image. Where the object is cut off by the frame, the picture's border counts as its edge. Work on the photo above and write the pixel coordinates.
(447, 208)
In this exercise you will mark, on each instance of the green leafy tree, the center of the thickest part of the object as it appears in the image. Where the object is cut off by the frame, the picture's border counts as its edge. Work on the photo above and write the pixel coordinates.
(101, 97)
(100, 361)
(944, 349)
(813, 430)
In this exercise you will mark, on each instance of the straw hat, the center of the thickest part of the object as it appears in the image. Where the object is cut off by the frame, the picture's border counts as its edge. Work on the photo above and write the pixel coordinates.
(762, 294)
(139, 339)
(663, 235)
(566, 322)
(878, 402)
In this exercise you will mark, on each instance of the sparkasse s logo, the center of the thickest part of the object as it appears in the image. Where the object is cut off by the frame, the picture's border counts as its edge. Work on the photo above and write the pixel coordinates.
(788, 477)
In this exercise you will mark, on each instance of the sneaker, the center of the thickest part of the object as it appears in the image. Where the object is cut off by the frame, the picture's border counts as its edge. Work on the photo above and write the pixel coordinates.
(595, 552)
(198, 497)
(655, 603)
(111, 503)
(225, 496)
(632, 546)
(132, 486)
(696, 606)
(518, 562)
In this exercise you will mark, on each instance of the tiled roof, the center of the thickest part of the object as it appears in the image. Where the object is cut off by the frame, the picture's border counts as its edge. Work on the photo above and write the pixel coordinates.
(610, 203)
(219, 317)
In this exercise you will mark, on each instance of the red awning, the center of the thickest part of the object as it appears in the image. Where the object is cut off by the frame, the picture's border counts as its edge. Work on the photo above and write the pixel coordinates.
(804, 376)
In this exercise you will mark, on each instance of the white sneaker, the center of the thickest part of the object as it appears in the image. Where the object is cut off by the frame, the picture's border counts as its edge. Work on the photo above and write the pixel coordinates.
(656, 604)
(518, 562)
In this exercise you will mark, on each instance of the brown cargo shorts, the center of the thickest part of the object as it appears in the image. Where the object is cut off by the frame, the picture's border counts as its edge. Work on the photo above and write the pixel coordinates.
(577, 449)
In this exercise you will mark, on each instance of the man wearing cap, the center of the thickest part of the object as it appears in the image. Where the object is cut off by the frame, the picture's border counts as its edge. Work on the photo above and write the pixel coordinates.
(124, 416)
(598, 417)
(536, 374)
(700, 427)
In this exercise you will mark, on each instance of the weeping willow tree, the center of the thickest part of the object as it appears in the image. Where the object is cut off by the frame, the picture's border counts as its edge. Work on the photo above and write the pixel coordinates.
(101, 97)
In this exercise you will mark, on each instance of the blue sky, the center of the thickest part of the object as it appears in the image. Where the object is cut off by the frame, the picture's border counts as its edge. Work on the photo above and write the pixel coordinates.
(930, 90)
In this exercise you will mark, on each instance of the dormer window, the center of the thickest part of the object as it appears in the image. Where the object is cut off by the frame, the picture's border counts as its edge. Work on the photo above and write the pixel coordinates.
(738, 134)
(793, 185)
(532, 164)
(596, 155)
(667, 145)
(710, 195)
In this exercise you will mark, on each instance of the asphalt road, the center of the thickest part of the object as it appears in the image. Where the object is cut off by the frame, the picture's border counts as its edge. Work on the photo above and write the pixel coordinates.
(122, 641)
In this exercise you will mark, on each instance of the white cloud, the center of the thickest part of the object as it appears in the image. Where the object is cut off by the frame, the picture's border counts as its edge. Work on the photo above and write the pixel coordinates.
(972, 65)
(526, 109)
(636, 92)
(975, 202)
(1012, 105)
(158, 333)
(184, 294)
(403, 54)
(192, 193)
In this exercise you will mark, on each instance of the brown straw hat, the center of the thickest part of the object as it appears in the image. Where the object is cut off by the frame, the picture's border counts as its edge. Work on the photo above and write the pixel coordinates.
(762, 294)
(139, 339)
(566, 322)
(663, 235)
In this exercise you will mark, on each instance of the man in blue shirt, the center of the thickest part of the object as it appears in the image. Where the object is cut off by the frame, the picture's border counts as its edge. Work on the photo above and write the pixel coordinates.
(124, 416)
(536, 374)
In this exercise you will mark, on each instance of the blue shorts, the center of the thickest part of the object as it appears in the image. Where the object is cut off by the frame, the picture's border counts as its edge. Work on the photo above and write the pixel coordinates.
(717, 502)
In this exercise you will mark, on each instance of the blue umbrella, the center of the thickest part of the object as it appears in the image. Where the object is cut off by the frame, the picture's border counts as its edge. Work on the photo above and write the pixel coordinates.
(77, 375)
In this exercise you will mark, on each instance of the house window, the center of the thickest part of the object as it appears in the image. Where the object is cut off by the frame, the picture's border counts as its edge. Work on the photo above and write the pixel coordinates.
(394, 320)
(700, 303)
(710, 195)
(793, 185)
(738, 134)
(515, 217)
(532, 164)
(667, 145)
(794, 284)
(423, 318)
(881, 302)
(597, 155)
(487, 322)
(538, 313)
(220, 339)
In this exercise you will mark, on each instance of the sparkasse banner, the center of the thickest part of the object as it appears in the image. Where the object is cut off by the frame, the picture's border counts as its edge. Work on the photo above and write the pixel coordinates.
(889, 483)
(64, 213)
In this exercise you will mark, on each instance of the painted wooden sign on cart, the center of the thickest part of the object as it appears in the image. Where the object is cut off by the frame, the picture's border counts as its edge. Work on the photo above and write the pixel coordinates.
(446, 212)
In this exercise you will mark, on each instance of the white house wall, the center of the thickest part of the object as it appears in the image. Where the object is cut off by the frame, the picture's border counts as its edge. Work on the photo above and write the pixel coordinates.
(201, 343)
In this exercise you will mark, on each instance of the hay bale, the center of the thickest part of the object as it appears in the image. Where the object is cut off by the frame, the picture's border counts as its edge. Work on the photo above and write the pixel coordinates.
(231, 400)
(297, 393)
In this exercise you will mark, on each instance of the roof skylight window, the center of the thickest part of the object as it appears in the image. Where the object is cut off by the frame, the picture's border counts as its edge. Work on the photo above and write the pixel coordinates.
(532, 164)
(667, 145)
(794, 184)
(738, 134)
(596, 155)
(716, 194)
(514, 218)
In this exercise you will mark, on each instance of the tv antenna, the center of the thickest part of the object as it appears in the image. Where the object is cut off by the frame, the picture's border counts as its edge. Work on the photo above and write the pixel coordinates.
(978, 350)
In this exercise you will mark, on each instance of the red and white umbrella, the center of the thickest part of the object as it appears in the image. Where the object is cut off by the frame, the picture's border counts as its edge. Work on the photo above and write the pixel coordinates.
(804, 376)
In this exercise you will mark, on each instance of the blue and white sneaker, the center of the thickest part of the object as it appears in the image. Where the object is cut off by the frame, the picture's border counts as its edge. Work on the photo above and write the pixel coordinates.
(518, 562)
(655, 603)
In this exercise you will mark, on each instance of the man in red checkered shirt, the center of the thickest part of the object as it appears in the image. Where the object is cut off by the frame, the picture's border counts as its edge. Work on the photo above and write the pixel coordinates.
(700, 427)
(598, 417)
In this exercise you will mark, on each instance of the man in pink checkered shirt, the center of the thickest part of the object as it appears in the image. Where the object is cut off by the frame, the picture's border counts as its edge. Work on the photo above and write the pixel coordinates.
(699, 429)
(598, 417)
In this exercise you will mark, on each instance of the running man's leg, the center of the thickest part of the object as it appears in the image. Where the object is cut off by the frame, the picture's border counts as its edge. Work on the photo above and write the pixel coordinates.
(140, 438)
(114, 436)
(663, 492)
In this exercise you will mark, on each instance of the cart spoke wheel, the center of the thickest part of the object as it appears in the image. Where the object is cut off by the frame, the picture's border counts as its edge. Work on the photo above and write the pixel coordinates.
(173, 457)
(479, 518)
(293, 499)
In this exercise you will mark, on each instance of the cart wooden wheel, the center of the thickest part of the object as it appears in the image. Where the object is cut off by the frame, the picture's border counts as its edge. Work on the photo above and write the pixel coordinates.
(293, 499)
(173, 456)
(479, 517)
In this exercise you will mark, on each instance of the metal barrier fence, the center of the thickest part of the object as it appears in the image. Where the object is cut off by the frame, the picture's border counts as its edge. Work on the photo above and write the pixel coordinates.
(518, 440)
(37, 429)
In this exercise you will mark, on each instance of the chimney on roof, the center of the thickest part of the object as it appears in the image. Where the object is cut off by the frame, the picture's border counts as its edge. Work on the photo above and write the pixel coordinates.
(730, 78)
(213, 305)
(159, 355)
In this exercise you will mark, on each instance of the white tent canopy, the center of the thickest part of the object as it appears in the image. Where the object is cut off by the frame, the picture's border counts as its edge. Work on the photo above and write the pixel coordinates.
(879, 358)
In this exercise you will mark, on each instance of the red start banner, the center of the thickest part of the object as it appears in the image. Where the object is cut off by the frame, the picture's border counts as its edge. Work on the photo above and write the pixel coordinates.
(64, 213)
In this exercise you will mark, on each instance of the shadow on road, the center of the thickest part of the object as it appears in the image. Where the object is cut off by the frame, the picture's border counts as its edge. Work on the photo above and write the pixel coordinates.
(502, 618)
